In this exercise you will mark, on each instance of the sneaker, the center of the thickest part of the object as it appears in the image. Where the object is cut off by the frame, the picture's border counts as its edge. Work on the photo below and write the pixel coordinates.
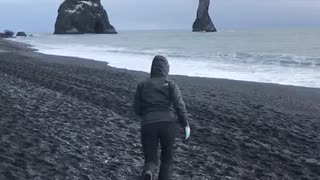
(148, 175)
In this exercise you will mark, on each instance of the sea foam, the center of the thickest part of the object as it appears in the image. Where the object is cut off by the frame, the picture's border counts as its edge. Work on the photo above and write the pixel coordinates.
(190, 60)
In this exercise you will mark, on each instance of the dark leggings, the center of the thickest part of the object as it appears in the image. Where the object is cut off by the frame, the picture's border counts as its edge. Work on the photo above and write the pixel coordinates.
(151, 135)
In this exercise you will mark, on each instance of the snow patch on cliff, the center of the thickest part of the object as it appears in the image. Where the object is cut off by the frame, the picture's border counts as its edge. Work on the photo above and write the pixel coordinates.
(89, 3)
(76, 9)
(80, 6)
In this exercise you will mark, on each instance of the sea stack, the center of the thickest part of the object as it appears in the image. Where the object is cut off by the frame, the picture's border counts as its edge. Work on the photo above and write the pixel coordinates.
(7, 34)
(203, 22)
(21, 33)
(83, 16)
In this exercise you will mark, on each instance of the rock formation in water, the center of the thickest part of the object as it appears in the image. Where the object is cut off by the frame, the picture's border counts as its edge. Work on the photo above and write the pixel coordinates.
(7, 34)
(203, 22)
(21, 34)
(83, 16)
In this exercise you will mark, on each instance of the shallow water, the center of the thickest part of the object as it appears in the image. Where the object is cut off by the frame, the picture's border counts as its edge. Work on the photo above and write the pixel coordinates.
(283, 56)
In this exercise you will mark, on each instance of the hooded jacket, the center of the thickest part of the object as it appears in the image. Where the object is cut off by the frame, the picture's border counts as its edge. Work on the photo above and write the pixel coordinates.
(159, 99)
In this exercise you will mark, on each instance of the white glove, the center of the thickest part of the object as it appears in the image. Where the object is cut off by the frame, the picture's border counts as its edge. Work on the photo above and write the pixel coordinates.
(187, 132)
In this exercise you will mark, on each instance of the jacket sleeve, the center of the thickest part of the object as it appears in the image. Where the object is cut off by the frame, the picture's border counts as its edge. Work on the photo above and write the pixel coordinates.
(137, 101)
(179, 104)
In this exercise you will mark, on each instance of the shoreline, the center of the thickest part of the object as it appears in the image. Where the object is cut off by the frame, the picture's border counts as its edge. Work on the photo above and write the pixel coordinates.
(286, 67)
(70, 117)
(34, 49)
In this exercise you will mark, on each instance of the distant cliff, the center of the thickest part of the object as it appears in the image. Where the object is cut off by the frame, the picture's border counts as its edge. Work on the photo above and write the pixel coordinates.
(203, 23)
(83, 16)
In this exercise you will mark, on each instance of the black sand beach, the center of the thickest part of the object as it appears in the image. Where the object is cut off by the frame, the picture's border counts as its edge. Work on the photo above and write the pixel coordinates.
(69, 118)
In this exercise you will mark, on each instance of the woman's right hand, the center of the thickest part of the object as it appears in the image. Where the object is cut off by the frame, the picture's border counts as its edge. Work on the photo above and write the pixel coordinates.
(187, 132)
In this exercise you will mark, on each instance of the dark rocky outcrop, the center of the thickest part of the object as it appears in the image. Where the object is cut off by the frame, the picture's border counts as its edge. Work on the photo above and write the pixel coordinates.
(7, 34)
(2, 35)
(203, 23)
(21, 34)
(83, 16)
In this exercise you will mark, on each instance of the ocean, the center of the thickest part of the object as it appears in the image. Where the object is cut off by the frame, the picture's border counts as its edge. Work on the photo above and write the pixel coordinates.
(281, 56)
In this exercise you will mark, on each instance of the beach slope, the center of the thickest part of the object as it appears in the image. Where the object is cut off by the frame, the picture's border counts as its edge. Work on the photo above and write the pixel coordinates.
(70, 118)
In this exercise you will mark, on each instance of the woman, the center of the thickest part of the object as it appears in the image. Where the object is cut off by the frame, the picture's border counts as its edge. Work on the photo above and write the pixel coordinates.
(155, 100)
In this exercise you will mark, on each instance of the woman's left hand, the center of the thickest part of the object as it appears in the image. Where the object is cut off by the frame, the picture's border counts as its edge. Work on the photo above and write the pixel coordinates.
(187, 132)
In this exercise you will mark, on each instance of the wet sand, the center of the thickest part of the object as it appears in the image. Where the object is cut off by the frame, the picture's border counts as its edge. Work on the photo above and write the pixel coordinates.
(71, 118)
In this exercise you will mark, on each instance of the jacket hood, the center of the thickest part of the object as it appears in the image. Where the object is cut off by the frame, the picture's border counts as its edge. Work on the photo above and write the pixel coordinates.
(160, 67)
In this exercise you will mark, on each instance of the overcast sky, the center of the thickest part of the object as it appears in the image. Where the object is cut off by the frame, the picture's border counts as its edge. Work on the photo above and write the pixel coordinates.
(40, 15)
